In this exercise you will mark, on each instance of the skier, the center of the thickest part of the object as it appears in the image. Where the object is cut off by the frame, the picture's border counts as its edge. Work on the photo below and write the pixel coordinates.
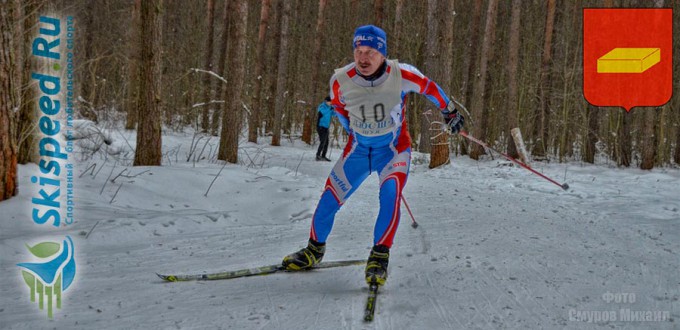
(325, 114)
(369, 98)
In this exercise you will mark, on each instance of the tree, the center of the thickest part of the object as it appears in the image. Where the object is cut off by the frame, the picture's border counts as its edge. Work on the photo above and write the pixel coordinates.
(280, 95)
(8, 103)
(27, 128)
(591, 133)
(221, 70)
(649, 137)
(316, 55)
(270, 76)
(480, 96)
(148, 151)
(208, 66)
(540, 120)
(133, 68)
(625, 147)
(231, 119)
(425, 145)
(440, 140)
(254, 119)
(676, 155)
(513, 64)
(649, 132)
(396, 35)
(472, 45)
(379, 10)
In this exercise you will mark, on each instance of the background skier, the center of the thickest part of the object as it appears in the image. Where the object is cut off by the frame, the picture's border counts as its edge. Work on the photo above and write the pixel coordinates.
(325, 114)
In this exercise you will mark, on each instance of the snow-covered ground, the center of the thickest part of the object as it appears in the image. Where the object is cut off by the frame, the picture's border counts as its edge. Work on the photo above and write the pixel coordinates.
(497, 247)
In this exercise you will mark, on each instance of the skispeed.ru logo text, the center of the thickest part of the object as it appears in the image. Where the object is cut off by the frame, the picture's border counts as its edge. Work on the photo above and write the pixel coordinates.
(53, 150)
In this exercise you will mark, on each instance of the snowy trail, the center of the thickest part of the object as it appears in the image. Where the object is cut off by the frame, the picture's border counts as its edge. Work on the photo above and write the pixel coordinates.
(496, 248)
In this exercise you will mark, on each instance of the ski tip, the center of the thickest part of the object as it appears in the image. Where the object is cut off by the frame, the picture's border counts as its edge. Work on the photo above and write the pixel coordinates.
(167, 278)
(565, 186)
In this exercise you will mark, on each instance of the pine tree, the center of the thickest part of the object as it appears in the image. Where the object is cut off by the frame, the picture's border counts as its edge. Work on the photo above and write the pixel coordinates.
(148, 151)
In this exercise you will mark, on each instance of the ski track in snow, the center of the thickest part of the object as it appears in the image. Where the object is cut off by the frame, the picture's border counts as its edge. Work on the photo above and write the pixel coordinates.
(497, 247)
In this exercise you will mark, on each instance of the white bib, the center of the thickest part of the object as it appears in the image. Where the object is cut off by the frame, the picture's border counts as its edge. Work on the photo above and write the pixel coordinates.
(373, 111)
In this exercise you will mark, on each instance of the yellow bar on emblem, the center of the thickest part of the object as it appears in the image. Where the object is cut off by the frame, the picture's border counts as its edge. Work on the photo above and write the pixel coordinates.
(628, 60)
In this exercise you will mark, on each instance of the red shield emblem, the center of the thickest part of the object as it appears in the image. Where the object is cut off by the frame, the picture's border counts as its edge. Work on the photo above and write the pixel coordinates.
(627, 57)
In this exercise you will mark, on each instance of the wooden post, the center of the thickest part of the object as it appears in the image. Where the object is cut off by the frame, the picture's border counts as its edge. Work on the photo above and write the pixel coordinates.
(521, 148)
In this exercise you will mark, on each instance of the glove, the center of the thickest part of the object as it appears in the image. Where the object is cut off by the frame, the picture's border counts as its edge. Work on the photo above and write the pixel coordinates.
(452, 118)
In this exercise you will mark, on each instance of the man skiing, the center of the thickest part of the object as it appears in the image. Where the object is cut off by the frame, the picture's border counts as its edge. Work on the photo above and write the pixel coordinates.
(369, 98)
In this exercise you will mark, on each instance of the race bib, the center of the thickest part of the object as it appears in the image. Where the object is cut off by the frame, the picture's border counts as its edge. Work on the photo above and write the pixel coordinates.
(372, 110)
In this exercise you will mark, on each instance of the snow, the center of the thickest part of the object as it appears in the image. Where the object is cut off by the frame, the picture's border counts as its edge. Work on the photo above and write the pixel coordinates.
(497, 247)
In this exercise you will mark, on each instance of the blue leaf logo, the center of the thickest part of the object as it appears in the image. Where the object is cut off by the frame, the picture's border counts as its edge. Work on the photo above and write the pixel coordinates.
(48, 279)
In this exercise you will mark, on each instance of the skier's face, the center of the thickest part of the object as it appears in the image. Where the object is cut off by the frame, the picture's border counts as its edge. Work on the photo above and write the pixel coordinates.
(367, 60)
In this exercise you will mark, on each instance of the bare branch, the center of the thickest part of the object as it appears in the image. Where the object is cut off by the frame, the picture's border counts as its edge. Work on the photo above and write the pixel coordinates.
(210, 73)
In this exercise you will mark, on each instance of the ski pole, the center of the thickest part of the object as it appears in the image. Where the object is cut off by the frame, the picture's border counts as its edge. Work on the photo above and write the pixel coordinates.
(414, 224)
(564, 186)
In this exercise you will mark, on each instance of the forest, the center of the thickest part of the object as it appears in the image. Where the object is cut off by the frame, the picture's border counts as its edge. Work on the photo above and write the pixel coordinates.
(254, 71)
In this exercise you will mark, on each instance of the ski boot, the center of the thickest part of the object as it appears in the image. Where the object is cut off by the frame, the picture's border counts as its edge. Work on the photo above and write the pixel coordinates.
(306, 258)
(376, 267)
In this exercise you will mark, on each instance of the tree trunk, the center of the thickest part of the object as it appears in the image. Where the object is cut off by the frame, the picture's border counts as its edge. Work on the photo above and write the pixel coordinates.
(254, 119)
(469, 64)
(649, 138)
(8, 102)
(208, 66)
(591, 134)
(148, 151)
(281, 92)
(272, 59)
(425, 145)
(133, 69)
(307, 129)
(27, 123)
(440, 138)
(379, 12)
(513, 64)
(88, 86)
(676, 156)
(540, 120)
(221, 70)
(231, 120)
(396, 34)
(626, 142)
(479, 98)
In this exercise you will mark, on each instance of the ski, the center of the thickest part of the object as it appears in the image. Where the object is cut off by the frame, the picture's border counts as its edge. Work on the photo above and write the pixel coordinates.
(264, 270)
(370, 303)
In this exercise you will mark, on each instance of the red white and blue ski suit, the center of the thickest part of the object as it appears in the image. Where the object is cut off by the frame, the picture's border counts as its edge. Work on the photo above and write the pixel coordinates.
(373, 114)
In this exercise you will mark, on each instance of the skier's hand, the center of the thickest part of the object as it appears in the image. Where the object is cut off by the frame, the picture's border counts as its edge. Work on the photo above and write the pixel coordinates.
(452, 118)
